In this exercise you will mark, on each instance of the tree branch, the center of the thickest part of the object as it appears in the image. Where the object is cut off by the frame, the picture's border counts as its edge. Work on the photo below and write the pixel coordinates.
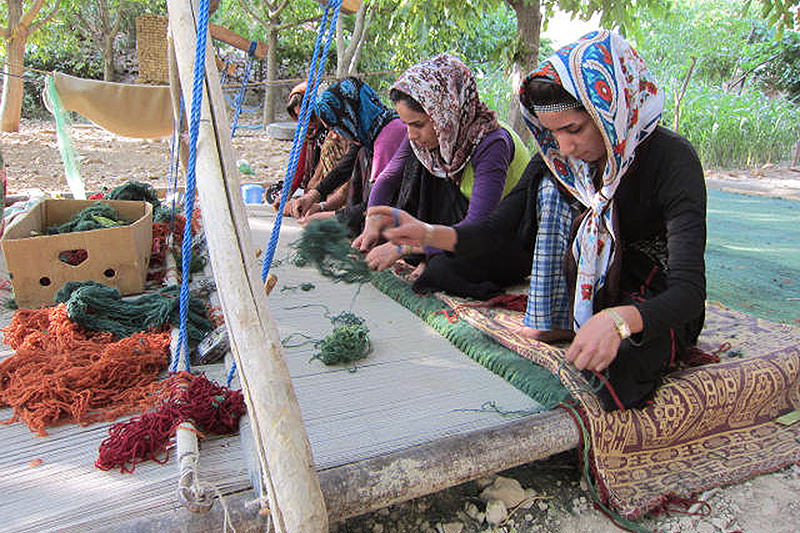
(278, 10)
(47, 18)
(297, 23)
(252, 13)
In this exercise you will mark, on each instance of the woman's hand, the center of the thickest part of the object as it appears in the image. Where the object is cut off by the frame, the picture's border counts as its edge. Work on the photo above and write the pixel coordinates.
(288, 207)
(301, 205)
(373, 224)
(321, 215)
(383, 256)
(597, 342)
(398, 226)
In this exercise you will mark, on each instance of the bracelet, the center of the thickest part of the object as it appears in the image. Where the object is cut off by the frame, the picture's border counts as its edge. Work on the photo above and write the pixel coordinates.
(426, 240)
(623, 328)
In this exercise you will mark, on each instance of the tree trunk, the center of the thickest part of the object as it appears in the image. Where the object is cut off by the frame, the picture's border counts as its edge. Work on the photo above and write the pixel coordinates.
(271, 92)
(11, 107)
(526, 57)
(108, 57)
(348, 56)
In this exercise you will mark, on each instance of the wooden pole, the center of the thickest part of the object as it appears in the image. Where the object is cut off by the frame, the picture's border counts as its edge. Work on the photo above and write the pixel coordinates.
(221, 33)
(363, 486)
(278, 429)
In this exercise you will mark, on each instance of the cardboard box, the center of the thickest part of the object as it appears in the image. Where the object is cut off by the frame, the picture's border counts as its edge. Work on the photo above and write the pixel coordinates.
(117, 257)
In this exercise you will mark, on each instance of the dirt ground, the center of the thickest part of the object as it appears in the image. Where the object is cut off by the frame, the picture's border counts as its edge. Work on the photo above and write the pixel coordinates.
(768, 503)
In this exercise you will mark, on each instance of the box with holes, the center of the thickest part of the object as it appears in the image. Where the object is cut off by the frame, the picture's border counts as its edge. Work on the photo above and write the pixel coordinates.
(39, 264)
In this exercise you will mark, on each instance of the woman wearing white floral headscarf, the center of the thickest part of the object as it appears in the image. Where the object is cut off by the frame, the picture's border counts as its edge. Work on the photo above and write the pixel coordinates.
(632, 289)
(457, 163)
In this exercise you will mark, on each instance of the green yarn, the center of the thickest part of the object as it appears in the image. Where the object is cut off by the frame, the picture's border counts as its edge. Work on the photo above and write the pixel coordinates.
(96, 216)
(525, 375)
(305, 287)
(134, 190)
(347, 343)
(138, 191)
(325, 245)
(345, 318)
(98, 307)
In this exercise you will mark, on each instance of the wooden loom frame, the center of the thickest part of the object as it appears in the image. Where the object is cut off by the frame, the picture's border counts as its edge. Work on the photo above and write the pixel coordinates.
(297, 493)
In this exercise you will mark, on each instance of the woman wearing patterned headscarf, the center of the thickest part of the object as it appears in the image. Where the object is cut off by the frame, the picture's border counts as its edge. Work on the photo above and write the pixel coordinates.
(632, 289)
(352, 109)
(457, 164)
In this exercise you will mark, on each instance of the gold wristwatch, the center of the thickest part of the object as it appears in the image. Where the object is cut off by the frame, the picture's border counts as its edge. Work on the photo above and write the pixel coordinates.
(623, 328)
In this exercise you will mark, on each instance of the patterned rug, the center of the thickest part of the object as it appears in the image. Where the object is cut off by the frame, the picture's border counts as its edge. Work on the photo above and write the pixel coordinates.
(708, 426)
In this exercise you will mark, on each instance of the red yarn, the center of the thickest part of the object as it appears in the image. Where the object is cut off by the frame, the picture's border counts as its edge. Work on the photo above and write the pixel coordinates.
(211, 407)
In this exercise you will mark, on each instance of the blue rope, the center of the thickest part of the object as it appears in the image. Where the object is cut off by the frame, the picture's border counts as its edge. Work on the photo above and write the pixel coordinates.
(194, 128)
(310, 96)
(240, 97)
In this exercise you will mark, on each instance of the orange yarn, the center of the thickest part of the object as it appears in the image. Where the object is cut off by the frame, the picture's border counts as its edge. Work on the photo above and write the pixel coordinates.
(63, 374)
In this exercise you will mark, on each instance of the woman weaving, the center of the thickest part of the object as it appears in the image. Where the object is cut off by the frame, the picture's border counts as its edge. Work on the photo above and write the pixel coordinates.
(353, 110)
(632, 286)
(456, 165)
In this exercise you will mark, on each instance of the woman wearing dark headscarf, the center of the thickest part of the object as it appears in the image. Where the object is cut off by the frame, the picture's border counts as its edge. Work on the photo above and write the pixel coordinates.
(632, 289)
(352, 109)
(321, 152)
(458, 161)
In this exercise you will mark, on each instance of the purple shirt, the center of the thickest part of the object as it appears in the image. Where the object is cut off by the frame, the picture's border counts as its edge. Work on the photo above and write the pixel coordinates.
(391, 137)
(490, 160)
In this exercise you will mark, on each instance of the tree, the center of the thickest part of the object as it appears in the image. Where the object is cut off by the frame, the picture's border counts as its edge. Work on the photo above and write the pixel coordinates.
(21, 23)
(99, 22)
(271, 19)
(348, 55)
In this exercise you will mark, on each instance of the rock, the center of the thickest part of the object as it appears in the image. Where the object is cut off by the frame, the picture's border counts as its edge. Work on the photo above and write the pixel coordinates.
(506, 489)
(452, 527)
(472, 511)
(377, 528)
(485, 481)
(496, 512)
(705, 527)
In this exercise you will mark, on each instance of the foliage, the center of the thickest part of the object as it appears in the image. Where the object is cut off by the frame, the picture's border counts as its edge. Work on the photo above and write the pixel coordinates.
(726, 112)
(783, 73)
(730, 130)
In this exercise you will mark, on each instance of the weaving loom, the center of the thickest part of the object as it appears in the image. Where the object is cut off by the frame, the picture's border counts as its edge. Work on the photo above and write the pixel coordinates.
(407, 422)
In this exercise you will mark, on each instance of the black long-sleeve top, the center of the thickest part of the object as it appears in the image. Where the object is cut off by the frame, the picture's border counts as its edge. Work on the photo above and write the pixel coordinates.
(661, 209)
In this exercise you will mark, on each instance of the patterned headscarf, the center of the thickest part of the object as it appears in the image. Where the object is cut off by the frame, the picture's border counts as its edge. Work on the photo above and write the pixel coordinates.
(446, 90)
(605, 74)
(352, 108)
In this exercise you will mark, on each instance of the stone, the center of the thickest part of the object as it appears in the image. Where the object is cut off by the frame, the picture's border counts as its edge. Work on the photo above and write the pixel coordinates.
(506, 489)
(485, 481)
(377, 528)
(496, 512)
(452, 527)
(472, 511)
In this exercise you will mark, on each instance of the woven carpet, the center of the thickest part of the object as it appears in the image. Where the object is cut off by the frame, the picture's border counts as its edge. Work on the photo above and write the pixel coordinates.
(708, 426)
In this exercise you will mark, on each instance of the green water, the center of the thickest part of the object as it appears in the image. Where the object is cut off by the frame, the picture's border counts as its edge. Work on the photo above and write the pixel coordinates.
(753, 254)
